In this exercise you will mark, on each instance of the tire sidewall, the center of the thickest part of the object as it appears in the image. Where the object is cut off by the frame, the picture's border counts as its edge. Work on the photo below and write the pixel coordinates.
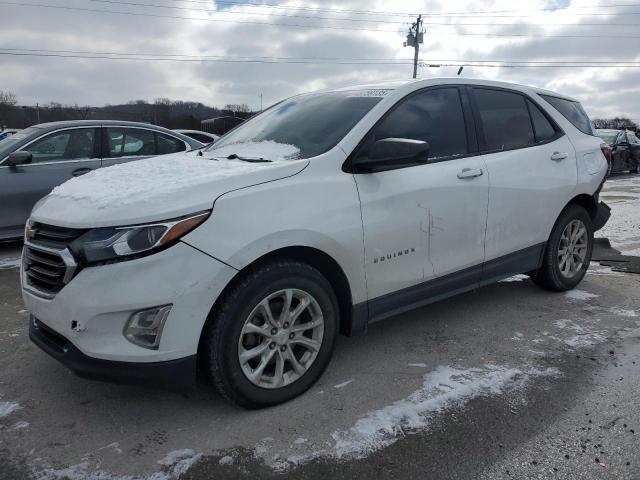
(574, 212)
(273, 280)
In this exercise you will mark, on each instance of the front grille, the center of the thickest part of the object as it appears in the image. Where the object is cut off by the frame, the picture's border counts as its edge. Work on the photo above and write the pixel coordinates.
(54, 237)
(48, 264)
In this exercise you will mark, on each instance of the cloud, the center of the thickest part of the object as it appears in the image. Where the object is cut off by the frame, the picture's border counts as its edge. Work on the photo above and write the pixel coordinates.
(604, 91)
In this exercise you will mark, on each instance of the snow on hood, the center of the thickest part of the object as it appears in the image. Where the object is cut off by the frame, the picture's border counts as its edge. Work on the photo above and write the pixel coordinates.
(267, 149)
(163, 187)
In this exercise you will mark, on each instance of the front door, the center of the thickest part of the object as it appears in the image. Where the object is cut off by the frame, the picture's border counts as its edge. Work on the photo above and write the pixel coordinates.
(57, 157)
(423, 222)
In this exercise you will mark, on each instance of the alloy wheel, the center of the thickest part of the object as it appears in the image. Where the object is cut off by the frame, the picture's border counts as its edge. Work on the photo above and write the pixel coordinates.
(281, 338)
(572, 249)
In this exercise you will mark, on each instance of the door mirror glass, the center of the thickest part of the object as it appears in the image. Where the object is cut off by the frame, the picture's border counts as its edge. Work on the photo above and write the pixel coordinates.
(393, 152)
(19, 158)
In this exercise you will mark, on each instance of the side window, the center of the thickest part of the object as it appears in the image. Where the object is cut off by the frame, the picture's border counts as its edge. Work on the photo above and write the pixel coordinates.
(505, 119)
(74, 144)
(572, 111)
(167, 144)
(433, 116)
(543, 129)
(128, 142)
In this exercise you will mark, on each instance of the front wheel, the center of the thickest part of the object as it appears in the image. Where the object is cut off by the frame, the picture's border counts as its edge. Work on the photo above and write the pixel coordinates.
(568, 251)
(271, 337)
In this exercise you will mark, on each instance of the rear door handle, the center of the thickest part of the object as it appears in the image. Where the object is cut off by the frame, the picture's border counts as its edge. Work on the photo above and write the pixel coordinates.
(469, 173)
(80, 171)
(557, 156)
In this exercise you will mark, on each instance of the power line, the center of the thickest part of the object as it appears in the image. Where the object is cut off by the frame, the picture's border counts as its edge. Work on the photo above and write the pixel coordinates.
(222, 12)
(243, 57)
(317, 61)
(238, 57)
(361, 20)
(172, 17)
(214, 60)
(407, 14)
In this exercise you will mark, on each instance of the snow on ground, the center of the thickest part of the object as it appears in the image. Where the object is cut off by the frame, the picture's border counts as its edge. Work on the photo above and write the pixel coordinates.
(444, 388)
(623, 228)
(7, 408)
(579, 295)
(516, 278)
(343, 384)
(9, 263)
(173, 466)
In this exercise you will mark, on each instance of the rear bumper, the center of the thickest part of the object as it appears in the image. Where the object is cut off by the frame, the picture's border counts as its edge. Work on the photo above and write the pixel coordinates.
(602, 216)
(177, 374)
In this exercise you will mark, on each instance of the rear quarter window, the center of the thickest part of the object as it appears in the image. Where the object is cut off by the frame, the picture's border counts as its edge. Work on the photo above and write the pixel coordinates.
(572, 111)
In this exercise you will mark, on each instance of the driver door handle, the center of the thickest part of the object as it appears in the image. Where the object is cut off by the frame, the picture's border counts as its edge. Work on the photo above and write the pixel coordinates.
(80, 171)
(469, 173)
(557, 156)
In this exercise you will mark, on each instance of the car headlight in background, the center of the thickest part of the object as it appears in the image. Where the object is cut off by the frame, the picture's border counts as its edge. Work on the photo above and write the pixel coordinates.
(117, 243)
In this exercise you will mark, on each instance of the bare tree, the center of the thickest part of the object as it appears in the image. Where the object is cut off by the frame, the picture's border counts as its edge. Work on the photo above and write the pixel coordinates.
(8, 99)
(616, 123)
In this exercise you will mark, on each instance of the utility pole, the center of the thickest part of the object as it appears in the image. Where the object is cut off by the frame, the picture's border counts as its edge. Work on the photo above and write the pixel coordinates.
(414, 39)
(38, 112)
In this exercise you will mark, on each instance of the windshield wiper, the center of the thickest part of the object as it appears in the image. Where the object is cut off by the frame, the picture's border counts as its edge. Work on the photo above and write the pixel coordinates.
(235, 156)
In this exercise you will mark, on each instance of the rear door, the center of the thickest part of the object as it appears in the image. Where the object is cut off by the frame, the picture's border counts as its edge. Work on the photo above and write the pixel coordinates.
(57, 157)
(126, 144)
(532, 173)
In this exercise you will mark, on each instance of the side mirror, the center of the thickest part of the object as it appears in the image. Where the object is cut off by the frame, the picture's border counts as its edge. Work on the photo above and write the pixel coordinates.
(393, 153)
(19, 158)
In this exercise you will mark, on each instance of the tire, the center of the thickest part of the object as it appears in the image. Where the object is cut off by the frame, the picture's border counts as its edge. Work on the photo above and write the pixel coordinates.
(228, 334)
(634, 167)
(554, 274)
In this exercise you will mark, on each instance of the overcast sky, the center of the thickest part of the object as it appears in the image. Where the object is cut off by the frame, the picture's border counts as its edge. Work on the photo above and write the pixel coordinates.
(212, 28)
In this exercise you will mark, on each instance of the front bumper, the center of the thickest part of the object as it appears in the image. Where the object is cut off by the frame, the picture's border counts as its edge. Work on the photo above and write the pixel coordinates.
(177, 374)
(91, 311)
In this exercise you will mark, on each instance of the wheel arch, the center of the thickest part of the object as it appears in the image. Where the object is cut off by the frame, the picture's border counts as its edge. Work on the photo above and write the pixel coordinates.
(586, 201)
(314, 257)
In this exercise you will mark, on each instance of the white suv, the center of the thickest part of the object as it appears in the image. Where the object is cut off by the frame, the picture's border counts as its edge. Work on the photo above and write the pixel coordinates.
(323, 214)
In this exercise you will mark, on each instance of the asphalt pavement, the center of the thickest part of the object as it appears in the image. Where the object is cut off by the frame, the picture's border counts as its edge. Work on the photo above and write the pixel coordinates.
(508, 381)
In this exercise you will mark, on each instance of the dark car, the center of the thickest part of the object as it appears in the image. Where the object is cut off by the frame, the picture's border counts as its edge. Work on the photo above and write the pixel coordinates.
(625, 150)
(36, 159)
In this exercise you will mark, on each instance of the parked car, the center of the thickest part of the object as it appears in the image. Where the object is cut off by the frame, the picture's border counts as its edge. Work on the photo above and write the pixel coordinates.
(36, 159)
(624, 147)
(7, 132)
(320, 215)
(204, 137)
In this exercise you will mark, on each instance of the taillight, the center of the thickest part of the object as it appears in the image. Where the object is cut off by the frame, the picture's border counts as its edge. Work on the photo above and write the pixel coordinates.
(606, 151)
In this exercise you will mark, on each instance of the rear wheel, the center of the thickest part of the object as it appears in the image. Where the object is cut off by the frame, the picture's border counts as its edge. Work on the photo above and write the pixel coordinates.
(568, 251)
(272, 335)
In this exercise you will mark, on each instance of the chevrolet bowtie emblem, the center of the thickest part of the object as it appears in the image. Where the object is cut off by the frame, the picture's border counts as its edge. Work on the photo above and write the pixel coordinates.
(29, 233)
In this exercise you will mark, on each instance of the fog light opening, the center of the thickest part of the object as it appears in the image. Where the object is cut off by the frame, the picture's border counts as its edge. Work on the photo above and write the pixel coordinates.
(144, 328)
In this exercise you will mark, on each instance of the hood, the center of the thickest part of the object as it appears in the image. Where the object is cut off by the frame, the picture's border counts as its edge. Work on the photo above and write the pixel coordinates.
(154, 189)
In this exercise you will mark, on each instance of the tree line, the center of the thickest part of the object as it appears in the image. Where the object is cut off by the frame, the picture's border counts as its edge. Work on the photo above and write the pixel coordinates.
(162, 111)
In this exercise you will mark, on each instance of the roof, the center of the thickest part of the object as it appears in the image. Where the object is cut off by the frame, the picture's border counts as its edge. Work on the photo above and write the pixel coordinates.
(79, 123)
(398, 84)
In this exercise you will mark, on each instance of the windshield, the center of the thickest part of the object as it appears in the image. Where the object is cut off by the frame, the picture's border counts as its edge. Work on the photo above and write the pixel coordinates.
(609, 137)
(7, 145)
(312, 123)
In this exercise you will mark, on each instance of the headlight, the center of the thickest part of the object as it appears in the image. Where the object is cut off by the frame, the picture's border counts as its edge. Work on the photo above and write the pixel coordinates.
(114, 243)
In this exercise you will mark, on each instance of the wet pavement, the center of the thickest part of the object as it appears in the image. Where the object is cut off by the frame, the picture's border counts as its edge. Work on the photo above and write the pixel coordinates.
(509, 381)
